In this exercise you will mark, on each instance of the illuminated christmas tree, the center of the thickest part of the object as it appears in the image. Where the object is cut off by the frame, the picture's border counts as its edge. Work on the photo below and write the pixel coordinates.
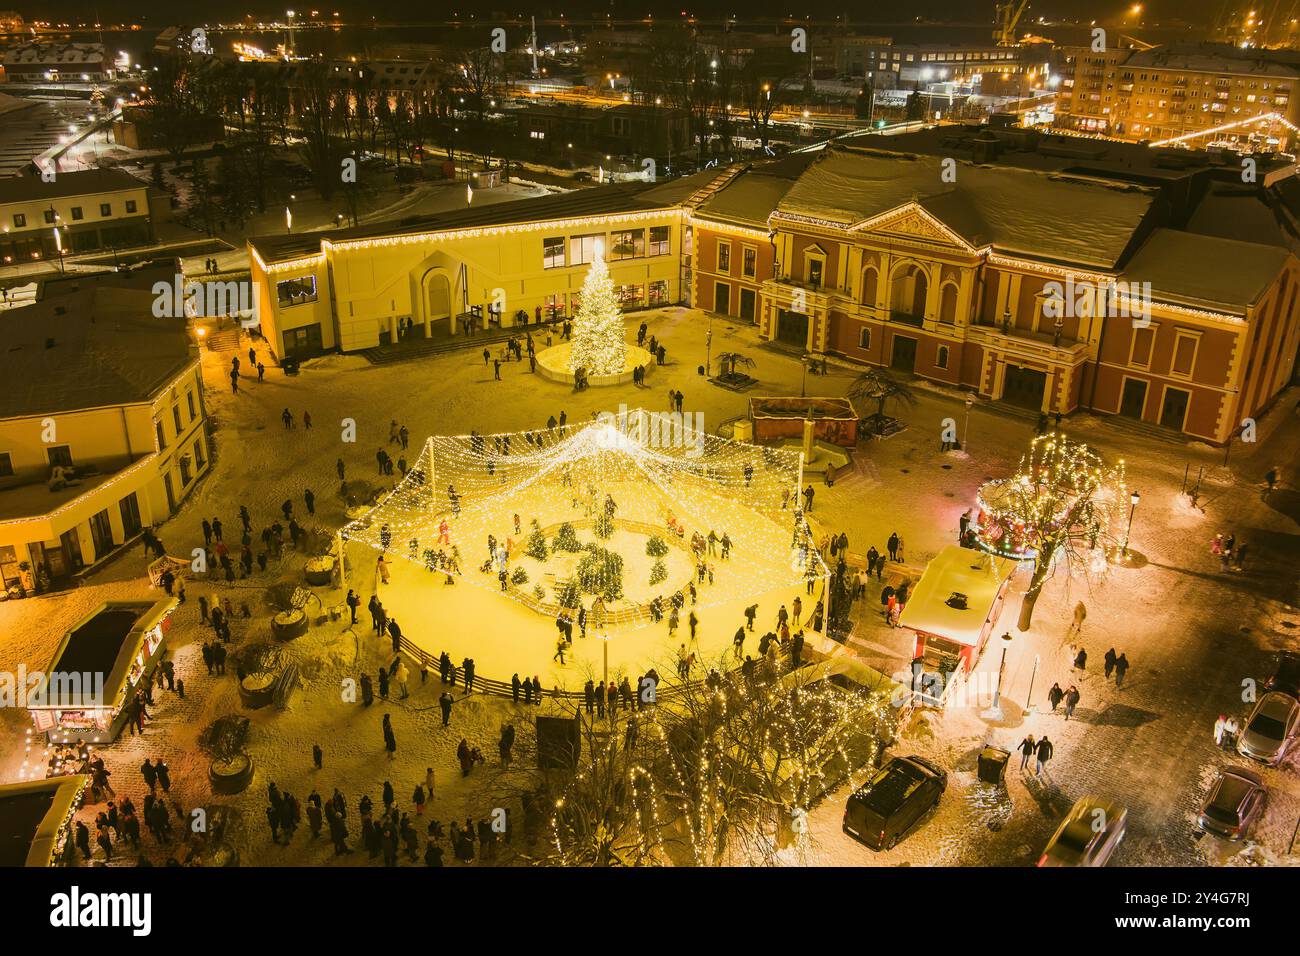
(599, 347)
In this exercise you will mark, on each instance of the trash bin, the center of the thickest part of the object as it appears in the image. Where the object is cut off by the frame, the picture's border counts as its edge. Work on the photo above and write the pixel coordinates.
(993, 765)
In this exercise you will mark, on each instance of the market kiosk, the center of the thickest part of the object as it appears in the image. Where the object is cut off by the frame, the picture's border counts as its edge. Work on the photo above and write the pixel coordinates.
(36, 820)
(952, 611)
(96, 669)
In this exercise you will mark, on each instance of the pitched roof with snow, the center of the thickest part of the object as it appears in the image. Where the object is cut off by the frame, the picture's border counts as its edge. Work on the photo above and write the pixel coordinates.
(1021, 212)
(90, 346)
(1189, 269)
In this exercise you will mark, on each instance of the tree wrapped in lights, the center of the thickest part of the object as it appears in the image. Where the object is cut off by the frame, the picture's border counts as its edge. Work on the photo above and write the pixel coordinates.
(719, 772)
(599, 346)
(536, 547)
(1060, 506)
(600, 572)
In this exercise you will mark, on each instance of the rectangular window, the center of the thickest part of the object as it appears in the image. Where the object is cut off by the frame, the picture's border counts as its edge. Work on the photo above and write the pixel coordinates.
(749, 262)
(1184, 355)
(176, 418)
(659, 292)
(660, 240)
(189, 398)
(627, 244)
(50, 216)
(553, 252)
(6, 464)
(19, 220)
(60, 455)
(77, 213)
(724, 257)
(582, 249)
(159, 434)
(553, 306)
(296, 291)
(198, 453)
(130, 206)
(106, 209)
(1143, 341)
(630, 296)
(864, 338)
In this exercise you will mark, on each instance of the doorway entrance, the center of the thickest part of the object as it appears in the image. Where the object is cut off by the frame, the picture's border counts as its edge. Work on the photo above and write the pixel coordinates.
(904, 355)
(721, 298)
(1173, 409)
(747, 304)
(1133, 400)
(1024, 387)
(792, 328)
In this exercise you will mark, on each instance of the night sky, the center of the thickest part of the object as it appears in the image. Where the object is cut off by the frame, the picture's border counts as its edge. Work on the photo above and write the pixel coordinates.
(968, 11)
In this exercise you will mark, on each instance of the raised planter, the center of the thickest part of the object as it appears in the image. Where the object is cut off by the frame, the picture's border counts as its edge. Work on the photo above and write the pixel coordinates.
(287, 625)
(257, 690)
(320, 571)
(231, 774)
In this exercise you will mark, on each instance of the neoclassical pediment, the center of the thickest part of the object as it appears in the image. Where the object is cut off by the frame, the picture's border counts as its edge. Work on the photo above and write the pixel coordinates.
(912, 222)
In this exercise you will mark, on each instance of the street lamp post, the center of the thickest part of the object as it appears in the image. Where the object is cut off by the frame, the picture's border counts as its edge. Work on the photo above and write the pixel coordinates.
(1002, 666)
(965, 429)
(803, 378)
(1133, 503)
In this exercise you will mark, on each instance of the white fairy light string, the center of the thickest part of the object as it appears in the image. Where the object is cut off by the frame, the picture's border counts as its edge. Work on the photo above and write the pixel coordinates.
(464, 488)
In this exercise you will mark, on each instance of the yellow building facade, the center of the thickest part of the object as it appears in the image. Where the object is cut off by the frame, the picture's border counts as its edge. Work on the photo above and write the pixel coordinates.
(109, 453)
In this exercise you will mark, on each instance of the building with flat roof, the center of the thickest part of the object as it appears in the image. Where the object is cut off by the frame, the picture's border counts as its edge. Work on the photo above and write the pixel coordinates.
(1207, 93)
(102, 424)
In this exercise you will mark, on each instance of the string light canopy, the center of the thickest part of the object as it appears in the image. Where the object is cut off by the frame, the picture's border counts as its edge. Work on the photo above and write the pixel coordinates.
(585, 513)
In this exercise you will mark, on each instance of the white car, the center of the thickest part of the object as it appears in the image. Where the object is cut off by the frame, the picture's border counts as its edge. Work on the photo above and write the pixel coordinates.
(1088, 835)
(1271, 729)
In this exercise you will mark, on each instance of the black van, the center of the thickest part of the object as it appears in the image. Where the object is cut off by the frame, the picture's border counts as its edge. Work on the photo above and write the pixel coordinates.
(882, 810)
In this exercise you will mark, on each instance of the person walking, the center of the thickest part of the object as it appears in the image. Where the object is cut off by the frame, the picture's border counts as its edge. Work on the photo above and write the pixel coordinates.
(445, 702)
(1071, 701)
(1110, 662)
(1026, 748)
(1043, 751)
(1121, 668)
(1054, 696)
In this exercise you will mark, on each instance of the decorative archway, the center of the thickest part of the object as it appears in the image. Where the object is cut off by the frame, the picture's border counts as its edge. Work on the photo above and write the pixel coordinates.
(436, 300)
(870, 281)
(948, 302)
(909, 289)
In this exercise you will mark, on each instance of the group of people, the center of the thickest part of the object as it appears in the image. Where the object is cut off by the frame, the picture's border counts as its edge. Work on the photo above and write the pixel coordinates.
(1039, 750)
(1230, 552)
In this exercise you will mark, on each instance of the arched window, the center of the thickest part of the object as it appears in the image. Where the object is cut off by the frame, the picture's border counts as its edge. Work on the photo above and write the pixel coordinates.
(870, 279)
(948, 303)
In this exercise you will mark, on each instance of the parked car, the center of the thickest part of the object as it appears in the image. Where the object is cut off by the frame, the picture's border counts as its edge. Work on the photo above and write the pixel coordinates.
(1271, 729)
(882, 811)
(1235, 799)
(1286, 674)
(1088, 835)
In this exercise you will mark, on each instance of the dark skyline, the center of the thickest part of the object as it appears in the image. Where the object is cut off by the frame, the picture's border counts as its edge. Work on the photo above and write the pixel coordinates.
(872, 11)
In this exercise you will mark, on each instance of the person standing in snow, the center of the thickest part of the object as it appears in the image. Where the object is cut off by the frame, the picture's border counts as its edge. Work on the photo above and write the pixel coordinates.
(390, 740)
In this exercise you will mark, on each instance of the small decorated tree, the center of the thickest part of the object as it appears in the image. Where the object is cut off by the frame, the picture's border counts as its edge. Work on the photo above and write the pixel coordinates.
(656, 547)
(566, 539)
(536, 547)
(600, 572)
(659, 571)
(518, 577)
(603, 528)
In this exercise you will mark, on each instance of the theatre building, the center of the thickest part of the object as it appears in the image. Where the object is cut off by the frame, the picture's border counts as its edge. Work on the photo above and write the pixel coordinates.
(1032, 287)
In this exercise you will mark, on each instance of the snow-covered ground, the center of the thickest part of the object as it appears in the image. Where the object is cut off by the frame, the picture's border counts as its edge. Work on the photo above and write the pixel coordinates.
(1191, 631)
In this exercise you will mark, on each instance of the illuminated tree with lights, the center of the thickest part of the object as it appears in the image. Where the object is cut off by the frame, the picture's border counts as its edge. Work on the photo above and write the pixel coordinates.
(1059, 508)
(599, 345)
(718, 772)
